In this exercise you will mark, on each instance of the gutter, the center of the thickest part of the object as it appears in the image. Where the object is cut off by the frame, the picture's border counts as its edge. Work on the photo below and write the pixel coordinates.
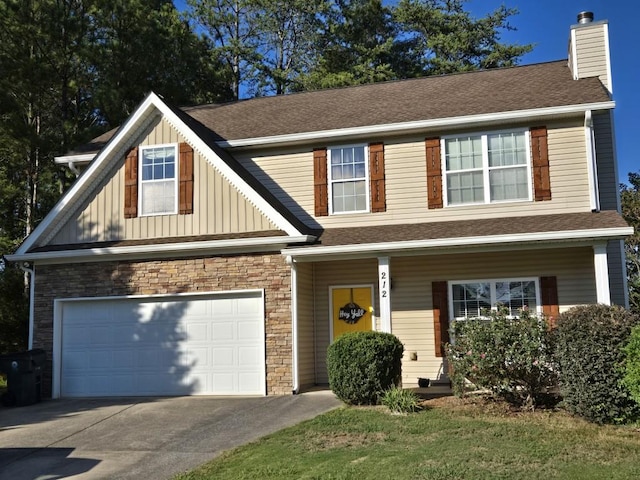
(160, 250)
(568, 235)
(26, 267)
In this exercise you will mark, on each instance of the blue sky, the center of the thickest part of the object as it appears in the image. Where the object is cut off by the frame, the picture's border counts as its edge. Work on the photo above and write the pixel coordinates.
(545, 23)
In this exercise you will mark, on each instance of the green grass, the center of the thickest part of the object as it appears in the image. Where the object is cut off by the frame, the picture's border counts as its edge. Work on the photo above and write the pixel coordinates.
(450, 441)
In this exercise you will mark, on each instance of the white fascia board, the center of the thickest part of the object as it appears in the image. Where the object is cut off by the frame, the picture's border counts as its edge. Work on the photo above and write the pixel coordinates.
(160, 250)
(523, 238)
(467, 120)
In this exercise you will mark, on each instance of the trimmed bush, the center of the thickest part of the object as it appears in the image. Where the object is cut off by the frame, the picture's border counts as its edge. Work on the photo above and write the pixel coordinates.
(631, 378)
(362, 365)
(511, 357)
(589, 344)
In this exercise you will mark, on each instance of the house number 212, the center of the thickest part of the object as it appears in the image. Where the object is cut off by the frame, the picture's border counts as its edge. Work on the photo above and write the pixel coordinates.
(383, 284)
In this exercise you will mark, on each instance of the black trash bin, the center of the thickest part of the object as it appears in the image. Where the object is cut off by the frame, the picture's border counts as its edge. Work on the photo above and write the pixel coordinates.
(24, 377)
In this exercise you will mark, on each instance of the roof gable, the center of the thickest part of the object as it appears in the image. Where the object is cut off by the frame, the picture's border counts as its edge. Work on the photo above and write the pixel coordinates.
(148, 112)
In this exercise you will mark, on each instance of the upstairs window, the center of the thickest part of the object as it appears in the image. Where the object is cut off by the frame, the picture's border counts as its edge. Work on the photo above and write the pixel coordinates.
(487, 168)
(470, 299)
(348, 179)
(158, 182)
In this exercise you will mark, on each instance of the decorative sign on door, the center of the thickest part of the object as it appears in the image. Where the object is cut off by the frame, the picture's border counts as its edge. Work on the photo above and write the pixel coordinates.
(352, 309)
(351, 312)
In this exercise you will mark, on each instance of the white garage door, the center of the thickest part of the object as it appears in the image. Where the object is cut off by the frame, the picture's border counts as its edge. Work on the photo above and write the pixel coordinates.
(191, 345)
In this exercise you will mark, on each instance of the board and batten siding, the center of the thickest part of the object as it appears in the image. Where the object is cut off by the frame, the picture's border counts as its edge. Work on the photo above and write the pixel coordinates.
(218, 207)
(306, 325)
(411, 301)
(289, 174)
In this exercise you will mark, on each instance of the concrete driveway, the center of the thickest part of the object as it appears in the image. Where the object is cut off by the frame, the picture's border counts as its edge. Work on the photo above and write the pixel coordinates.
(139, 437)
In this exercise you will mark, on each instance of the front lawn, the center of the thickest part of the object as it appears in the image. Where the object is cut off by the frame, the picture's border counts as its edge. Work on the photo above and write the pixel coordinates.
(450, 439)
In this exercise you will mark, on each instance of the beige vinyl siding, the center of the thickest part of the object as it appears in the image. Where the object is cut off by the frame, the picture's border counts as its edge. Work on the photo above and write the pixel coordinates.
(606, 162)
(411, 303)
(218, 206)
(306, 326)
(591, 52)
(348, 272)
(290, 175)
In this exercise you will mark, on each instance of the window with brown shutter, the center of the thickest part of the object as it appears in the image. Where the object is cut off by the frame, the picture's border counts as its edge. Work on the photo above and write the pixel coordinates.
(131, 184)
(320, 182)
(376, 173)
(434, 173)
(186, 179)
(549, 298)
(440, 316)
(540, 164)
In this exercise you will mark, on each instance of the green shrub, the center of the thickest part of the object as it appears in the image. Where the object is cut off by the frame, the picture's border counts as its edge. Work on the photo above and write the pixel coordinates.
(589, 344)
(362, 365)
(631, 378)
(400, 401)
(511, 357)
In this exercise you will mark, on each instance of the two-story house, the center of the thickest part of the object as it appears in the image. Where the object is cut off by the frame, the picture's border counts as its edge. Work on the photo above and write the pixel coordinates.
(220, 249)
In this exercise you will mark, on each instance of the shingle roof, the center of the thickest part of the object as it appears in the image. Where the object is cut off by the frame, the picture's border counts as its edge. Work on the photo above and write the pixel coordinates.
(488, 91)
(472, 228)
(471, 93)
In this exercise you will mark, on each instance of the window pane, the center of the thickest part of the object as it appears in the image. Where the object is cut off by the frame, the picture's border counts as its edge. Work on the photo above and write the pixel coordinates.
(507, 149)
(509, 184)
(516, 295)
(158, 197)
(465, 188)
(470, 299)
(463, 153)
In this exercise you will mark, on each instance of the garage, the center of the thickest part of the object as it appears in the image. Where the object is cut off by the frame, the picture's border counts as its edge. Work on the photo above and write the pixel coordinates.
(160, 346)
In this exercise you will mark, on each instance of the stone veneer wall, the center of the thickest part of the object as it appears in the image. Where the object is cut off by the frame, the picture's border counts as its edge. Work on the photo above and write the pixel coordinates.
(240, 272)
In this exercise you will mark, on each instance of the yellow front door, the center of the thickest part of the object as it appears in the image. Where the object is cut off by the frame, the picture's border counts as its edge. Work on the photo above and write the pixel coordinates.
(352, 308)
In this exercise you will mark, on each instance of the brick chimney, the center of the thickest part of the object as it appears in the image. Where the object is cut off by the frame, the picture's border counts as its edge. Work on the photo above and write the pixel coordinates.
(589, 49)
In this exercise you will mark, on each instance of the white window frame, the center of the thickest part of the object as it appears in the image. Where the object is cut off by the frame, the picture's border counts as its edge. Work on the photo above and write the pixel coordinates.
(331, 182)
(485, 166)
(175, 179)
(492, 282)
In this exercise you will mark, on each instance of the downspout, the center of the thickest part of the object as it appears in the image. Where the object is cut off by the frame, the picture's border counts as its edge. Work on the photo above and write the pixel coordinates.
(26, 267)
(294, 325)
(592, 166)
(73, 168)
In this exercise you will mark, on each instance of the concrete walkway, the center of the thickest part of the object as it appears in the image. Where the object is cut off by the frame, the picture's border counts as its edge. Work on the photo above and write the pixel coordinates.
(127, 438)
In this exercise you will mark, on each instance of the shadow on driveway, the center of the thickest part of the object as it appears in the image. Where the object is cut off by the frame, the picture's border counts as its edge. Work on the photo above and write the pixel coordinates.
(140, 437)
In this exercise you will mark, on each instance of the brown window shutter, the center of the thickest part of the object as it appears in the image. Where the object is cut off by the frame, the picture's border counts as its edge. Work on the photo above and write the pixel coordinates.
(549, 297)
(320, 182)
(186, 179)
(131, 184)
(440, 316)
(434, 173)
(376, 173)
(540, 160)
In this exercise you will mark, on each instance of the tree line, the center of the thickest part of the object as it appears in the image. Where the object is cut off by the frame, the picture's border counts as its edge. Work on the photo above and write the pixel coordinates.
(73, 69)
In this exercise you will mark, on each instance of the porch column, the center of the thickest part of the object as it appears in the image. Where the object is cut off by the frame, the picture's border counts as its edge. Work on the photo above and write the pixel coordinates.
(384, 292)
(602, 273)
